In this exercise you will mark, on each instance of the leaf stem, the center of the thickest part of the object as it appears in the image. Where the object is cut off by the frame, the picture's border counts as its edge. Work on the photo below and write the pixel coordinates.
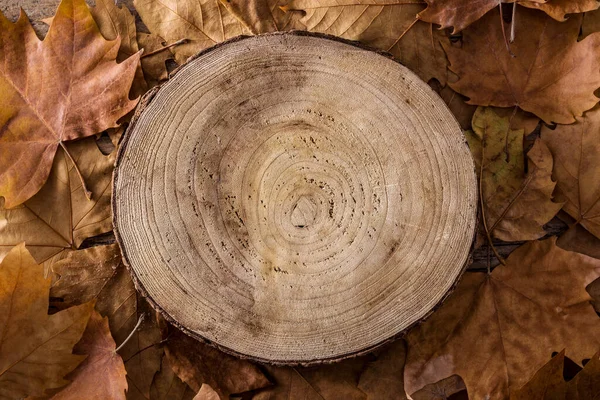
(504, 31)
(87, 192)
(485, 227)
(513, 23)
(139, 322)
(403, 33)
(180, 41)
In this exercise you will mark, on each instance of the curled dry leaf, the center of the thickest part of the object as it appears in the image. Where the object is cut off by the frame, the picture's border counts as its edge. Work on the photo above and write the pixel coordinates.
(101, 375)
(576, 152)
(197, 363)
(59, 217)
(387, 25)
(204, 22)
(67, 87)
(515, 205)
(513, 319)
(98, 274)
(154, 63)
(551, 75)
(35, 348)
(262, 16)
(548, 383)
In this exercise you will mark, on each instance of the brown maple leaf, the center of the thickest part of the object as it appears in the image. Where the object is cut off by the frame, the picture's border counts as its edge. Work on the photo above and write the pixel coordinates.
(35, 348)
(512, 320)
(204, 22)
(576, 152)
(388, 25)
(551, 75)
(548, 383)
(98, 274)
(63, 88)
(59, 217)
(516, 205)
(102, 374)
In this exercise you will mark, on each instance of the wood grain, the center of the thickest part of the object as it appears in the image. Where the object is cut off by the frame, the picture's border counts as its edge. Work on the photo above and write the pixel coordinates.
(293, 198)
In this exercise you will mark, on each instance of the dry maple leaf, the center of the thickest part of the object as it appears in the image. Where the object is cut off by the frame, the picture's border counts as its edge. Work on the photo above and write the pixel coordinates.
(35, 348)
(515, 205)
(66, 87)
(512, 319)
(576, 152)
(552, 75)
(262, 16)
(102, 374)
(59, 217)
(204, 22)
(548, 383)
(196, 363)
(388, 25)
(98, 274)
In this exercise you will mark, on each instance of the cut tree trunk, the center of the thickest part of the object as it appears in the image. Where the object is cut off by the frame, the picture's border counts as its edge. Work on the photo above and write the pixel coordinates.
(294, 198)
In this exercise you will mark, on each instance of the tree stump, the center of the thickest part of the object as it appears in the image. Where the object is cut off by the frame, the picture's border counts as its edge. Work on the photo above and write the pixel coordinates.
(294, 198)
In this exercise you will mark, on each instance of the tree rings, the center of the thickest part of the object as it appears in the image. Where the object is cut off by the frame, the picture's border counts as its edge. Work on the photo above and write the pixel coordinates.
(294, 198)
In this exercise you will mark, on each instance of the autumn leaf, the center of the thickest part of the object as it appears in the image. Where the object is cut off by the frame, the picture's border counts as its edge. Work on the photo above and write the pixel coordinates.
(114, 21)
(382, 379)
(551, 75)
(154, 61)
(102, 374)
(206, 393)
(59, 217)
(196, 363)
(204, 22)
(98, 274)
(515, 205)
(35, 348)
(512, 319)
(576, 152)
(387, 25)
(558, 9)
(456, 13)
(460, 14)
(442, 390)
(548, 383)
(262, 16)
(64, 88)
(166, 385)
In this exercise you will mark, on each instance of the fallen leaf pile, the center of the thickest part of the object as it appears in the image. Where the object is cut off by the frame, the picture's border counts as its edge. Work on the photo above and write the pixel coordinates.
(519, 75)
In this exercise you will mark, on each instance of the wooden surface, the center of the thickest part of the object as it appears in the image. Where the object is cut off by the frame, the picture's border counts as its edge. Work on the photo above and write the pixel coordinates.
(294, 198)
